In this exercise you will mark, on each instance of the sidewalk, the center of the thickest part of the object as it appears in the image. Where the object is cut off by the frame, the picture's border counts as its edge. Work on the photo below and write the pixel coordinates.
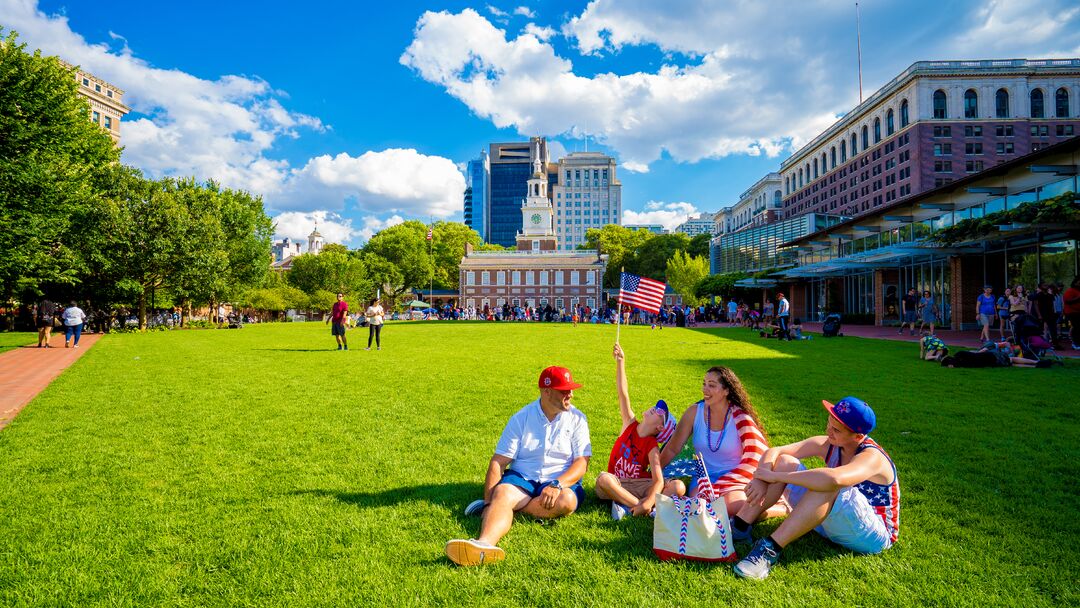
(26, 371)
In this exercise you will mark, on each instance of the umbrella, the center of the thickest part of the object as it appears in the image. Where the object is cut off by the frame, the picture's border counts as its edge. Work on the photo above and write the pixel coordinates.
(429, 310)
(418, 304)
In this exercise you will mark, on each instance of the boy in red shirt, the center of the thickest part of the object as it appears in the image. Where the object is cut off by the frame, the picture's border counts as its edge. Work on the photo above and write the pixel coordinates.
(634, 476)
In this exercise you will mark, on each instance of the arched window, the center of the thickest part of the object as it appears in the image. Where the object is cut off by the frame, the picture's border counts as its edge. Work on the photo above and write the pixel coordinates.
(1061, 103)
(865, 137)
(824, 167)
(890, 127)
(854, 145)
(808, 174)
(843, 151)
(1001, 104)
(787, 185)
(940, 104)
(815, 168)
(971, 104)
(1037, 108)
(832, 158)
(903, 114)
(776, 199)
(800, 178)
(877, 130)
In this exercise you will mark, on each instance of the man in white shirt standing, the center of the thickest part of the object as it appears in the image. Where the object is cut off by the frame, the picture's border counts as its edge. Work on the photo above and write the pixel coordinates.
(537, 468)
(783, 317)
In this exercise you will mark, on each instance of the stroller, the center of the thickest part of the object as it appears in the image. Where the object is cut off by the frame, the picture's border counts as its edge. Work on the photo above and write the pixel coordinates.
(1028, 333)
(830, 328)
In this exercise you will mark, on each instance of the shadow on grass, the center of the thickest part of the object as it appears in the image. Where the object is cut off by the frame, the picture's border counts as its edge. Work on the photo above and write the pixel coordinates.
(453, 496)
(300, 350)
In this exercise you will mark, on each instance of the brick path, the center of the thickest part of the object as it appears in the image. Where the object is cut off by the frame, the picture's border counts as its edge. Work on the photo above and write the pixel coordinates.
(26, 371)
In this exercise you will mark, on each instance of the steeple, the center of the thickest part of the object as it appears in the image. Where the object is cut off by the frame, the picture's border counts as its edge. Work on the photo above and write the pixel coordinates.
(315, 240)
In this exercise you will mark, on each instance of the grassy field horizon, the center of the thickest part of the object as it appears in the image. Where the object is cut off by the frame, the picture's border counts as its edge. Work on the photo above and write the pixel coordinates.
(260, 467)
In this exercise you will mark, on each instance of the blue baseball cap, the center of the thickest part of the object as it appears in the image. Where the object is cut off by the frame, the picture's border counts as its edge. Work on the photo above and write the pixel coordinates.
(669, 423)
(853, 413)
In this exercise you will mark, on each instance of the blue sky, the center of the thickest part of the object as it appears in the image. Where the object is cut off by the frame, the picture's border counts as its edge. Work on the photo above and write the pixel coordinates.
(359, 115)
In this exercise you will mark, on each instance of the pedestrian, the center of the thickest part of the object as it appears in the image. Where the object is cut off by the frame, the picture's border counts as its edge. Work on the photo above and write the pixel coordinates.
(1044, 309)
(337, 317)
(928, 309)
(74, 317)
(1071, 308)
(374, 315)
(45, 317)
(909, 304)
(783, 316)
(985, 310)
(1002, 308)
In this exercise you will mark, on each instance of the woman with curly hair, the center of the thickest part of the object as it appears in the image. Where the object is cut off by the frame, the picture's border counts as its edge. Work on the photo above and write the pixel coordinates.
(727, 432)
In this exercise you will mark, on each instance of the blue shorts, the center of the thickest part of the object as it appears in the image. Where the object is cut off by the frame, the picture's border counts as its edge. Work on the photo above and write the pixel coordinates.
(909, 316)
(533, 488)
(851, 522)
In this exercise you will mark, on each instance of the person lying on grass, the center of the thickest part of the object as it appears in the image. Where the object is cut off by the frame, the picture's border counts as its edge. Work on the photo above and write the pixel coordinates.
(931, 348)
(536, 469)
(854, 501)
(726, 431)
(993, 354)
(634, 476)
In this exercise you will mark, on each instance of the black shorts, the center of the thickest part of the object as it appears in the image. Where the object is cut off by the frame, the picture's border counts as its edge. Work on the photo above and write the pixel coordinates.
(43, 323)
(337, 329)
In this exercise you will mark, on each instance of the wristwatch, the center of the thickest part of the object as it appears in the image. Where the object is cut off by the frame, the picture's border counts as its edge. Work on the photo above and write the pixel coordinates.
(554, 483)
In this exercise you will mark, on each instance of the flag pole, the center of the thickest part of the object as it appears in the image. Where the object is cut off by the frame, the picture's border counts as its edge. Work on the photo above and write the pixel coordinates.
(618, 307)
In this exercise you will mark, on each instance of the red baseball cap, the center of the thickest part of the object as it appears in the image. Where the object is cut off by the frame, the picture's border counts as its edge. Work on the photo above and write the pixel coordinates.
(558, 378)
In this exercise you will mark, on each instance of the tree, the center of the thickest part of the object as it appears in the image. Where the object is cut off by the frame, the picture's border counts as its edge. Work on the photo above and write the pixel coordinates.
(699, 245)
(684, 273)
(53, 162)
(720, 285)
(620, 244)
(405, 247)
(448, 246)
(652, 256)
(333, 270)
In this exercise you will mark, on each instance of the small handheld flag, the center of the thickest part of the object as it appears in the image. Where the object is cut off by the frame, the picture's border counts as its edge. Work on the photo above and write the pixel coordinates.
(429, 234)
(646, 294)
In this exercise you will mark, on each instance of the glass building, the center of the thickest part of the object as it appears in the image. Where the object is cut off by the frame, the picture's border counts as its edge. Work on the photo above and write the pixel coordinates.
(510, 169)
(758, 248)
(477, 177)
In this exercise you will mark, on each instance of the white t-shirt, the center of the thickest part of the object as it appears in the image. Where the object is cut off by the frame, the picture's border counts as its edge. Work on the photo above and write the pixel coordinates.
(73, 315)
(374, 315)
(543, 450)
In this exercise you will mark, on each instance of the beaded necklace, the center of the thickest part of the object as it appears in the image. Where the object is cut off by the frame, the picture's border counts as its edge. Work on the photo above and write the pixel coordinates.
(708, 427)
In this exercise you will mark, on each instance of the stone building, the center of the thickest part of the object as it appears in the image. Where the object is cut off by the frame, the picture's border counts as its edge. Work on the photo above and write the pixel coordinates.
(106, 101)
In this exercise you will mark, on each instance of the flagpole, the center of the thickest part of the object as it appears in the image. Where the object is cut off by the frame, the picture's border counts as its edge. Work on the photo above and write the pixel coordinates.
(618, 307)
(431, 257)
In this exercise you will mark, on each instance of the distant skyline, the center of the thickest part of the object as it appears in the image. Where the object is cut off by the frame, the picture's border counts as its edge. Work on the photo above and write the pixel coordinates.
(359, 115)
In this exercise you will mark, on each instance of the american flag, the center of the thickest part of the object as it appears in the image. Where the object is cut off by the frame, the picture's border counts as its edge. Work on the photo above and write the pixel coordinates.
(643, 293)
(429, 234)
(705, 488)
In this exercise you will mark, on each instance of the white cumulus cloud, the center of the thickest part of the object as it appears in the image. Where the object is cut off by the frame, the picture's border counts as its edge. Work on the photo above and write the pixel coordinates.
(297, 225)
(525, 11)
(668, 215)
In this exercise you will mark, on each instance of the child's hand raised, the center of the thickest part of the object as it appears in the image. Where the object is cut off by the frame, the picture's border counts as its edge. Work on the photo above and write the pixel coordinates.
(617, 353)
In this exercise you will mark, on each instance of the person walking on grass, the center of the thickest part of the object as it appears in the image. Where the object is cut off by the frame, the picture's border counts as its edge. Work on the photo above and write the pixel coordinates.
(537, 468)
(337, 319)
(634, 476)
(74, 317)
(374, 315)
(44, 318)
(909, 305)
(854, 501)
(985, 310)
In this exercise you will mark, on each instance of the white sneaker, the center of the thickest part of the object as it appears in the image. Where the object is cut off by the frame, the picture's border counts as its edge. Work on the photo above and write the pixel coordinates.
(475, 507)
(618, 511)
(473, 552)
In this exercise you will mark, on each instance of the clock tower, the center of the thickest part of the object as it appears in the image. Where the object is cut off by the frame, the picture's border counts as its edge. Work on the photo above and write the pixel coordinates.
(537, 216)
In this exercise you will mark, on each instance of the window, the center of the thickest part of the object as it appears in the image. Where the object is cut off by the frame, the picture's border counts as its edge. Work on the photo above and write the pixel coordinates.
(108, 92)
(86, 82)
(971, 104)
(832, 158)
(843, 151)
(942, 149)
(889, 128)
(1061, 103)
(974, 166)
(824, 167)
(1004, 131)
(942, 166)
(97, 88)
(877, 130)
(1040, 130)
(108, 122)
(1001, 104)
(854, 145)
(1064, 130)
(942, 131)
(1005, 147)
(500, 278)
(97, 118)
(940, 102)
(973, 148)
(865, 137)
(903, 114)
(973, 131)
(485, 277)
(1037, 110)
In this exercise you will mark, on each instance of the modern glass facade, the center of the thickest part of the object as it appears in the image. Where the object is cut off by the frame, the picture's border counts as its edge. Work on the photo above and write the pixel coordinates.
(476, 196)
(508, 191)
(756, 249)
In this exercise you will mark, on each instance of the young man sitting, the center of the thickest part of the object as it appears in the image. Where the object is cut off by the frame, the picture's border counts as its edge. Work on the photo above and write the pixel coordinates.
(634, 476)
(931, 348)
(854, 501)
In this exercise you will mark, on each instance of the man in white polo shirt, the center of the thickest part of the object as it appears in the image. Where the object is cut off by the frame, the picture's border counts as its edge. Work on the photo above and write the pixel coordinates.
(537, 468)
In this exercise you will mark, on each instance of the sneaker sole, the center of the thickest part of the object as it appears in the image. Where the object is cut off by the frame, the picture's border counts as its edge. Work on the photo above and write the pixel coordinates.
(469, 553)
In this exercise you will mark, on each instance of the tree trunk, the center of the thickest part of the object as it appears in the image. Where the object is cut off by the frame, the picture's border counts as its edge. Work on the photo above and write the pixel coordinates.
(142, 311)
(185, 308)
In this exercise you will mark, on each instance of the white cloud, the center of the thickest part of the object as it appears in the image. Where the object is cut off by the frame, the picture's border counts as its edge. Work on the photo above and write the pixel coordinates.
(525, 11)
(373, 224)
(1048, 30)
(496, 11)
(226, 129)
(542, 33)
(668, 215)
(297, 225)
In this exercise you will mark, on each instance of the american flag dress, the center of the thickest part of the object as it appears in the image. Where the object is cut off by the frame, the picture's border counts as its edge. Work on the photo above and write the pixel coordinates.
(884, 498)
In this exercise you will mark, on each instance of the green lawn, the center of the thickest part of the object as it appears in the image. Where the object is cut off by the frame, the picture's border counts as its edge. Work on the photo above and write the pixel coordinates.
(15, 339)
(260, 468)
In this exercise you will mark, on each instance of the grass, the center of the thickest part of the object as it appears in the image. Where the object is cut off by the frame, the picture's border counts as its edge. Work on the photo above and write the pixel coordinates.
(260, 468)
(15, 339)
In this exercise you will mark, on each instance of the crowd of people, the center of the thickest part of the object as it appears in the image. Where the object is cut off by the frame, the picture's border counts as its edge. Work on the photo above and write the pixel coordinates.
(545, 448)
(1051, 306)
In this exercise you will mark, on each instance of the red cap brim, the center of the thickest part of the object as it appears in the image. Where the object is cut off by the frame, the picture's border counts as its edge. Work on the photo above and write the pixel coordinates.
(829, 408)
(566, 387)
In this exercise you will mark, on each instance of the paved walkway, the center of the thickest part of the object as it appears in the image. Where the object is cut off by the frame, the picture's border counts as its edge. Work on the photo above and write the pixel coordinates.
(26, 371)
